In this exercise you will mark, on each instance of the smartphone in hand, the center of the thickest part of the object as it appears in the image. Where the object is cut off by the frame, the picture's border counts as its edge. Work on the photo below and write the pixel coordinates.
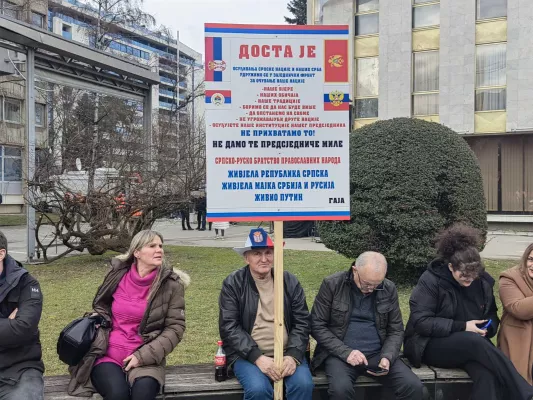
(376, 370)
(486, 326)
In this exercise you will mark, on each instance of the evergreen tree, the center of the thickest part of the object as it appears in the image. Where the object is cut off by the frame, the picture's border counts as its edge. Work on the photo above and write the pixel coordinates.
(409, 179)
(298, 8)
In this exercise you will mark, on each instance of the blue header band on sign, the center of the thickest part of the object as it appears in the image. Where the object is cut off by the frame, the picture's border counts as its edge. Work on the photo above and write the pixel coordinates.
(277, 31)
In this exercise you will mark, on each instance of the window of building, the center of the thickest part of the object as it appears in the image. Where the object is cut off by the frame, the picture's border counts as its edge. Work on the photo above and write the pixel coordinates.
(425, 104)
(426, 71)
(318, 11)
(426, 15)
(491, 61)
(366, 5)
(367, 87)
(367, 77)
(40, 114)
(491, 99)
(37, 19)
(11, 162)
(491, 77)
(12, 110)
(426, 83)
(366, 24)
(366, 108)
(10, 9)
(491, 9)
(66, 31)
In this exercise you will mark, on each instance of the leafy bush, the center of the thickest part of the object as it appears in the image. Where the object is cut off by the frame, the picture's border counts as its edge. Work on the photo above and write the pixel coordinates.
(409, 179)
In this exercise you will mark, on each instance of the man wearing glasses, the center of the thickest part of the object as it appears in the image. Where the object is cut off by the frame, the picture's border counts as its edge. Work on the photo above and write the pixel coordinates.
(357, 323)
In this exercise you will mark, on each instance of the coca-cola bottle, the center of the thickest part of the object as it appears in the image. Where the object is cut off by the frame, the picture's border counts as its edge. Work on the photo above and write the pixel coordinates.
(221, 371)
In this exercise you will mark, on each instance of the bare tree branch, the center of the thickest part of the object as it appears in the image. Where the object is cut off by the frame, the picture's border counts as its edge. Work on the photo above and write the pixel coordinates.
(131, 191)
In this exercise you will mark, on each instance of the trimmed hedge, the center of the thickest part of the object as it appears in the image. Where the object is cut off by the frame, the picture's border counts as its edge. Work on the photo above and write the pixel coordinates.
(409, 179)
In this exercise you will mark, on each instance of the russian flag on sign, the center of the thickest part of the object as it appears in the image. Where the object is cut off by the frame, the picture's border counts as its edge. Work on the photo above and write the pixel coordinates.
(217, 56)
(336, 100)
(218, 99)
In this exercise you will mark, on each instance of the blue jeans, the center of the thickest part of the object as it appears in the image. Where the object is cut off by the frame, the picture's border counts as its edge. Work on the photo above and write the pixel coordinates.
(257, 386)
(29, 386)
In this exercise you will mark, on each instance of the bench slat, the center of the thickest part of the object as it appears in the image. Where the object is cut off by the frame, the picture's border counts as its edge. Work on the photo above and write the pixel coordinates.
(186, 380)
(443, 373)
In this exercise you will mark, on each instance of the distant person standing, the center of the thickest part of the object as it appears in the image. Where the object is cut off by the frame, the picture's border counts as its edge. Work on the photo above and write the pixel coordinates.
(201, 209)
(185, 215)
(220, 226)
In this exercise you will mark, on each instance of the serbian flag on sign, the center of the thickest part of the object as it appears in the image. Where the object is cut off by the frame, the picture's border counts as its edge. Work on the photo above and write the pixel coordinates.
(217, 55)
(336, 100)
(336, 61)
(218, 99)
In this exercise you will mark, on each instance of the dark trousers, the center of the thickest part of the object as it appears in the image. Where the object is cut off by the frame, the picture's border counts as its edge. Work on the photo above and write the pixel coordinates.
(185, 218)
(111, 383)
(342, 377)
(29, 386)
(493, 374)
(200, 219)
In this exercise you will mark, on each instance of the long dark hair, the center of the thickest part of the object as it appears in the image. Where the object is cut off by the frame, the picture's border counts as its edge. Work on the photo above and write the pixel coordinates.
(459, 246)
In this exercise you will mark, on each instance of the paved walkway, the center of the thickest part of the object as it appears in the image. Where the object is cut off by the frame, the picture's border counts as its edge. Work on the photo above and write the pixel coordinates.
(234, 237)
(500, 245)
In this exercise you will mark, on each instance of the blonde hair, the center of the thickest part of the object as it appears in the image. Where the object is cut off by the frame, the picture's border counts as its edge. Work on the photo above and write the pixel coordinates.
(523, 260)
(141, 239)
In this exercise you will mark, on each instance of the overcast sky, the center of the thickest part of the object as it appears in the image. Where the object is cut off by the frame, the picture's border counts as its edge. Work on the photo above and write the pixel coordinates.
(189, 16)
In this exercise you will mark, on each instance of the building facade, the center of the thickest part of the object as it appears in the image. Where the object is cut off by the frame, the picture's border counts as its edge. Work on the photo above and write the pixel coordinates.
(13, 107)
(466, 64)
(179, 68)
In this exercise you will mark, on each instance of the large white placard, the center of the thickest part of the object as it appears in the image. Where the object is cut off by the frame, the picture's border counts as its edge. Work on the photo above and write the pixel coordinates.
(277, 118)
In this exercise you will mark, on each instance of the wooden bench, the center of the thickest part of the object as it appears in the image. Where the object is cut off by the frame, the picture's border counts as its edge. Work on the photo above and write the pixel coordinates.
(197, 382)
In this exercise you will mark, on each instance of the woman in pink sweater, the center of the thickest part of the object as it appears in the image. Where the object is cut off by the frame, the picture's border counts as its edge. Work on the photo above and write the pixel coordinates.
(143, 302)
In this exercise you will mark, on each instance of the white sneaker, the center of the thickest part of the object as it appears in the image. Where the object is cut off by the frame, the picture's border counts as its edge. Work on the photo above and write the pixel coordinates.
(217, 237)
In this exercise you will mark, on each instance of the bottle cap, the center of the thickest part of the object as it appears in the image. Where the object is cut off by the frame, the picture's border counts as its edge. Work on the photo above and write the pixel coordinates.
(219, 342)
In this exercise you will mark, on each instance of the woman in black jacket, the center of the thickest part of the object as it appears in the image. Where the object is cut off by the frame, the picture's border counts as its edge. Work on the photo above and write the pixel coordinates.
(450, 308)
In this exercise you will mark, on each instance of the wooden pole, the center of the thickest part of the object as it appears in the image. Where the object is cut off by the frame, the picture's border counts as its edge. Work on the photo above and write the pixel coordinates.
(279, 323)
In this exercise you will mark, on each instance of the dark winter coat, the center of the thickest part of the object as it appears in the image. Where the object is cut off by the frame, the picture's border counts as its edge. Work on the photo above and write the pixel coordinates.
(331, 313)
(238, 304)
(20, 347)
(161, 328)
(434, 302)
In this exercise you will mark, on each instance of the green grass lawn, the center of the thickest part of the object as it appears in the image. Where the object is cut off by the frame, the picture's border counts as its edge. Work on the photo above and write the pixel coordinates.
(70, 284)
(12, 219)
(20, 219)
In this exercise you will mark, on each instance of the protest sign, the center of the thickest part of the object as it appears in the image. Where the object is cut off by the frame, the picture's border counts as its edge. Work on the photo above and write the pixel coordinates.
(277, 115)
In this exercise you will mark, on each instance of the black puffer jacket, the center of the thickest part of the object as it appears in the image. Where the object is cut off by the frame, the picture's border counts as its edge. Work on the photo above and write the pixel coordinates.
(434, 303)
(20, 347)
(331, 313)
(238, 304)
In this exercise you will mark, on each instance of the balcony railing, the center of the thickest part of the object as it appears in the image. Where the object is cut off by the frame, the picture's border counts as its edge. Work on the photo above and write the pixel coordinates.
(168, 81)
(167, 92)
